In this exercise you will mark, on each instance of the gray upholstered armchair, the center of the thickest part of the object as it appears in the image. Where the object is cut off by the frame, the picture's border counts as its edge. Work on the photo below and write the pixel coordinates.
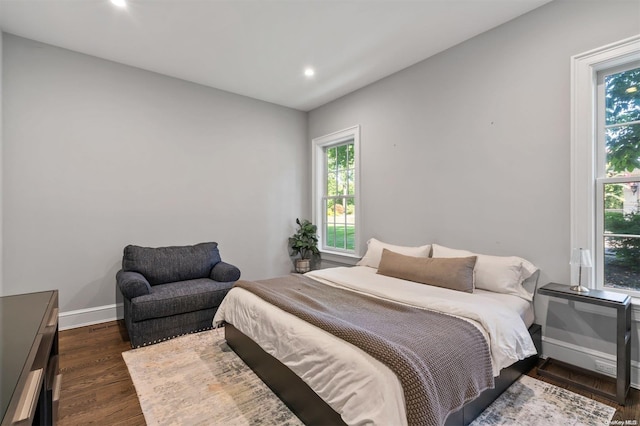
(171, 291)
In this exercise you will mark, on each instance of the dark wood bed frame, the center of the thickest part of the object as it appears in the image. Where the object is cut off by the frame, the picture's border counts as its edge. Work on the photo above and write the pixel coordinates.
(312, 410)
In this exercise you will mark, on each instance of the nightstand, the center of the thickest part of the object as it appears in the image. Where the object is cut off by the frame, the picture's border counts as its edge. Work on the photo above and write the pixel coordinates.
(622, 304)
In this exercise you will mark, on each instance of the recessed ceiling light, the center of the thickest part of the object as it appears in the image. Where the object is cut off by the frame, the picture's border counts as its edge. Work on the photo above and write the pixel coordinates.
(119, 3)
(309, 72)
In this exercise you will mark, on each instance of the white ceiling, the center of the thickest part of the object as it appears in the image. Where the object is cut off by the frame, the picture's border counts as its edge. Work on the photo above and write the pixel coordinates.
(260, 48)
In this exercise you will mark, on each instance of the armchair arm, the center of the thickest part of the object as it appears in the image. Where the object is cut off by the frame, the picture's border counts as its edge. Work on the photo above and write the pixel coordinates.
(132, 284)
(224, 273)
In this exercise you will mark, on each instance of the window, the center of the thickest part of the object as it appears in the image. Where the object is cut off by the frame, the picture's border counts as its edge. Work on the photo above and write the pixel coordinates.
(605, 167)
(618, 176)
(335, 191)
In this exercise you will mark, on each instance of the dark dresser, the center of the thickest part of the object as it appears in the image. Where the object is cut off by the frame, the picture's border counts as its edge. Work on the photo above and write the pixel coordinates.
(29, 379)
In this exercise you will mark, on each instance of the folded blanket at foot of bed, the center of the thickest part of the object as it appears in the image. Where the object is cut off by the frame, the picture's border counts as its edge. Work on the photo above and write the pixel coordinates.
(441, 361)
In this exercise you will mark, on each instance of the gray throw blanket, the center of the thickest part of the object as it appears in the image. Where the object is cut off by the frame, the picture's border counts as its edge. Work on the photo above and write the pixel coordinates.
(441, 361)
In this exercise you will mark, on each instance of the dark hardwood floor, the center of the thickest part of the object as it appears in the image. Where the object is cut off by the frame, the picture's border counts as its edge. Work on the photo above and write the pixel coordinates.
(96, 386)
(97, 389)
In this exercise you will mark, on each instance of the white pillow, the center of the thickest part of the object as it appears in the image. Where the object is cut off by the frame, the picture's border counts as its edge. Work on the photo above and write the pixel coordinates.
(374, 252)
(500, 274)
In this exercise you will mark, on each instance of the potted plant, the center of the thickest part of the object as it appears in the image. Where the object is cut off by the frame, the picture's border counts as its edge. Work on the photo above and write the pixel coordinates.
(305, 243)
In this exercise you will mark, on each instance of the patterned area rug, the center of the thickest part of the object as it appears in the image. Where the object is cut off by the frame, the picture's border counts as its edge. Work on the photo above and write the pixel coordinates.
(198, 380)
(533, 402)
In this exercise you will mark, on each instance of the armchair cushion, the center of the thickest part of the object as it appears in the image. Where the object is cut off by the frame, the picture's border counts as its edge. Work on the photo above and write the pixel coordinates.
(169, 264)
(132, 284)
(225, 272)
(170, 299)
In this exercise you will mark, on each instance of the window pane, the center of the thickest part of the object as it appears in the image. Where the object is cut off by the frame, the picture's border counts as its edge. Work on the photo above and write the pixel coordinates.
(351, 224)
(342, 183)
(614, 196)
(342, 157)
(622, 262)
(617, 222)
(331, 159)
(330, 236)
(329, 209)
(341, 218)
(622, 94)
(335, 235)
(352, 158)
(623, 150)
(621, 208)
(332, 184)
(330, 224)
(351, 182)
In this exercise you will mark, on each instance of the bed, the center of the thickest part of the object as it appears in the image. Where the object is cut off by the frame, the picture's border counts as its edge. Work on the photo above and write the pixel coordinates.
(327, 380)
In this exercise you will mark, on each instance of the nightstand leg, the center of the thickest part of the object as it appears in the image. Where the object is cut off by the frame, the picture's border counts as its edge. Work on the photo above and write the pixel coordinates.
(623, 353)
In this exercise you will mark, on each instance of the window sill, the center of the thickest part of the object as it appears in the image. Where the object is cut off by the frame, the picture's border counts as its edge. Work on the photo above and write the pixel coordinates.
(343, 259)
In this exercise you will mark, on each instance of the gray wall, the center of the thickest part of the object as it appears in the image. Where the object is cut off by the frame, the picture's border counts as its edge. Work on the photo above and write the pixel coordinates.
(471, 148)
(98, 155)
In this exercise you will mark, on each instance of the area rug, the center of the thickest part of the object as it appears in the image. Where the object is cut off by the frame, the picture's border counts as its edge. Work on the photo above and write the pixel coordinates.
(198, 380)
(533, 402)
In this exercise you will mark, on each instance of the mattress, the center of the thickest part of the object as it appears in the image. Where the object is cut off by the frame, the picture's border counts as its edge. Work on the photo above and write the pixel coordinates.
(363, 390)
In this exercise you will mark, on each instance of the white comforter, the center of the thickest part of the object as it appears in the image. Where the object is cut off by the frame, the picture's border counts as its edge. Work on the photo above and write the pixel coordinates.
(360, 388)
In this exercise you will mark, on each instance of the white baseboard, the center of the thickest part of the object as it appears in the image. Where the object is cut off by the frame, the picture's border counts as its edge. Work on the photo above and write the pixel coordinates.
(90, 316)
(583, 357)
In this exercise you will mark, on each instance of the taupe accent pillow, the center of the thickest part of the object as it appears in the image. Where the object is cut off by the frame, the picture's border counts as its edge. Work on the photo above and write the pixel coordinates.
(453, 273)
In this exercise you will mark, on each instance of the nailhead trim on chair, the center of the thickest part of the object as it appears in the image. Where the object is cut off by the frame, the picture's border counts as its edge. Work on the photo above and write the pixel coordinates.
(169, 338)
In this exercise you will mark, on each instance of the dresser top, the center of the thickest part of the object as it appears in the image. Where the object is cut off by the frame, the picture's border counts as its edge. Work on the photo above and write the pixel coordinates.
(20, 319)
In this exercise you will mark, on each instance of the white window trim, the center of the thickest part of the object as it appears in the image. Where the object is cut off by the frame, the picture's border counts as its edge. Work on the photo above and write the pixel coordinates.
(584, 72)
(317, 165)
